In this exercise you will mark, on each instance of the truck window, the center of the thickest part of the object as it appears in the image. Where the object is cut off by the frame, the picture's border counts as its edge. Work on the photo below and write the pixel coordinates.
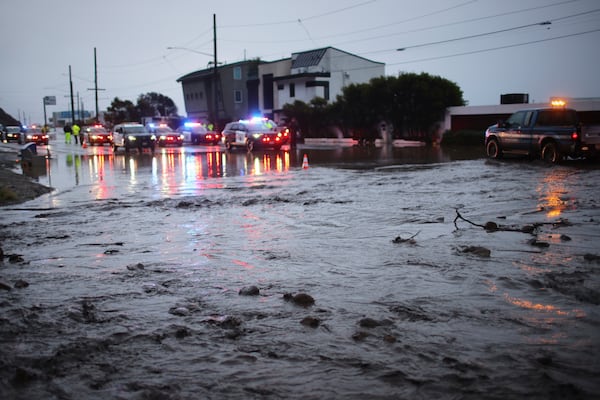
(557, 118)
(528, 117)
(516, 120)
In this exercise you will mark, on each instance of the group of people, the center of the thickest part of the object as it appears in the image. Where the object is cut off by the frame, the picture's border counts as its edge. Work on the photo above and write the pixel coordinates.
(74, 131)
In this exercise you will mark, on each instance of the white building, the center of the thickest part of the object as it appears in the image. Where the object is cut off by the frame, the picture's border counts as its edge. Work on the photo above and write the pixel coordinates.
(247, 87)
(310, 74)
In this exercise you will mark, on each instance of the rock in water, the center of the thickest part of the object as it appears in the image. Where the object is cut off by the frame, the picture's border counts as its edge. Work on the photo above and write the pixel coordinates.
(249, 291)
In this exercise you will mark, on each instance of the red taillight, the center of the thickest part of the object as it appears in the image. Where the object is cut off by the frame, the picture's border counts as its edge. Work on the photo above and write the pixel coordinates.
(208, 137)
(574, 135)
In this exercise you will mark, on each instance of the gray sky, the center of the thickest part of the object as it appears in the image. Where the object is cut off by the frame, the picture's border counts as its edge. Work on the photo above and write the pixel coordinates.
(487, 47)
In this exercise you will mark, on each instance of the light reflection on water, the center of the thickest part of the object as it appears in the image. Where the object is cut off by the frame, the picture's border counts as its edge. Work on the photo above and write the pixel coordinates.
(553, 193)
(187, 166)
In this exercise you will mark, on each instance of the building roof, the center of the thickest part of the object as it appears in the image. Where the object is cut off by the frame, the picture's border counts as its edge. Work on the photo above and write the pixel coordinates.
(208, 72)
(313, 57)
(308, 58)
(303, 75)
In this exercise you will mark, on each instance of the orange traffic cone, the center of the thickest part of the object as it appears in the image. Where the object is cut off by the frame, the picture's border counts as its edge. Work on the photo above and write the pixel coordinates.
(305, 162)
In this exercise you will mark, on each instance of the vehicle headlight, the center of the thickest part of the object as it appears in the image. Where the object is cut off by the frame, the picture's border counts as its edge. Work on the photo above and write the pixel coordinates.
(256, 135)
(153, 137)
(131, 138)
(163, 137)
(181, 137)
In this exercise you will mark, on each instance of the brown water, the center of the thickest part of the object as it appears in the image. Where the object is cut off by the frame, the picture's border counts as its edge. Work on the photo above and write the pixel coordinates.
(135, 265)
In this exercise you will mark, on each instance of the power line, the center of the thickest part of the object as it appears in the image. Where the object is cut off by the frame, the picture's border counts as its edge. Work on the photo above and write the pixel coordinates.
(339, 10)
(438, 26)
(495, 48)
(421, 29)
(549, 22)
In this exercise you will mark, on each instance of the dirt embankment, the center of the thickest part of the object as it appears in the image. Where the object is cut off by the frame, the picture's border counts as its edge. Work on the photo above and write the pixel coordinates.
(16, 188)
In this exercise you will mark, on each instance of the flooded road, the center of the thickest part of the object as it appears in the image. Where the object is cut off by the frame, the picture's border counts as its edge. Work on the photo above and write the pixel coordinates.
(173, 276)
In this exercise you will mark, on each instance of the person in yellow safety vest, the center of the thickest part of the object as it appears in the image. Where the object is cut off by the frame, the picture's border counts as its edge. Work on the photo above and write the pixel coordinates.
(210, 127)
(76, 130)
(67, 128)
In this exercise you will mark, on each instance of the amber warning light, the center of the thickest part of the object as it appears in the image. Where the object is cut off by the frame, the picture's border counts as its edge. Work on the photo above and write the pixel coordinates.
(558, 103)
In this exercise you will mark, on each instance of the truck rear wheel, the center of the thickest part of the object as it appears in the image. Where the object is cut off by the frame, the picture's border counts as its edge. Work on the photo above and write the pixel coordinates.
(550, 153)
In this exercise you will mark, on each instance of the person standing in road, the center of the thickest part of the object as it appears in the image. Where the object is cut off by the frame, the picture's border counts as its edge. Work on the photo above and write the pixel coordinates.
(67, 128)
(76, 130)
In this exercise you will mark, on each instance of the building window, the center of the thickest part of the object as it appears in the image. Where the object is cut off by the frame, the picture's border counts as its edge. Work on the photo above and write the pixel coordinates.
(280, 86)
(237, 95)
(237, 73)
(292, 90)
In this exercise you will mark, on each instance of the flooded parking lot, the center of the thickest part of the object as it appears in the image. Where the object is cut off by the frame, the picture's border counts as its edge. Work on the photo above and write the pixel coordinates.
(176, 275)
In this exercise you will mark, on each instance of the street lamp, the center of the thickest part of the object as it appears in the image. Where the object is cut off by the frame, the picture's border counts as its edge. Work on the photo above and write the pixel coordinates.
(215, 65)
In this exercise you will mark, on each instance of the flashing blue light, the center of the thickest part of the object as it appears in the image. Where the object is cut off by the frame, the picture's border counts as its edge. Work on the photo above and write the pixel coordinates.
(190, 124)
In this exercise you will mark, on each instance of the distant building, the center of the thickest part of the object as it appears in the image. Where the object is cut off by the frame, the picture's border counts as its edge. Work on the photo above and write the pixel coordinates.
(236, 92)
(259, 87)
(60, 118)
(323, 73)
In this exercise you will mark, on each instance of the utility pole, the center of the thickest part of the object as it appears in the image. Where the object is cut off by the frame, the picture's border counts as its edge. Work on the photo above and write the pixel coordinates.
(95, 88)
(72, 103)
(215, 73)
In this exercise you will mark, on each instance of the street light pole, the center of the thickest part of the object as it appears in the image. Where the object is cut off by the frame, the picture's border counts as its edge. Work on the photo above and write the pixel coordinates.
(72, 104)
(215, 74)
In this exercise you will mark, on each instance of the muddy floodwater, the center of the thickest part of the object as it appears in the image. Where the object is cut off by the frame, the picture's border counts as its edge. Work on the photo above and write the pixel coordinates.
(375, 273)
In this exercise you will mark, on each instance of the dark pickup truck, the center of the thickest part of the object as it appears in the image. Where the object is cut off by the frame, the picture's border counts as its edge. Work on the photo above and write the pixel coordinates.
(549, 133)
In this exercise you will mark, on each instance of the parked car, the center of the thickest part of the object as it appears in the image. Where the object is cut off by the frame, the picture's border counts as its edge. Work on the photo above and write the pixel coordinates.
(131, 135)
(197, 133)
(165, 136)
(36, 135)
(253, 133)
(549, 133)
(97, 135)
(13, 134)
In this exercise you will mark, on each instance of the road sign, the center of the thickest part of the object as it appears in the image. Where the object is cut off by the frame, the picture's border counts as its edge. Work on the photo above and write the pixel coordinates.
(50, 100)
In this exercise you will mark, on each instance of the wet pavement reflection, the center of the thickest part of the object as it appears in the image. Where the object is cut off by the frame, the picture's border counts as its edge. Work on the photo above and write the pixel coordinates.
(179, 167)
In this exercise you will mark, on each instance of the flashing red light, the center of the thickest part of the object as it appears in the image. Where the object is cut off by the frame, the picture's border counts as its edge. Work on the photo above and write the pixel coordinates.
(574, 135)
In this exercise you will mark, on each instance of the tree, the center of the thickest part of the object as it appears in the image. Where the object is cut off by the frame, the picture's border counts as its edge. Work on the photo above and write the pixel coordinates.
(313, 118)
(412, 103)
(156, 105)
(148, 105)
(121, 111)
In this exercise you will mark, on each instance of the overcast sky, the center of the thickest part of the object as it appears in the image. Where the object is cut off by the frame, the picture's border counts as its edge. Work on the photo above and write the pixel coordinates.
(541, 47)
